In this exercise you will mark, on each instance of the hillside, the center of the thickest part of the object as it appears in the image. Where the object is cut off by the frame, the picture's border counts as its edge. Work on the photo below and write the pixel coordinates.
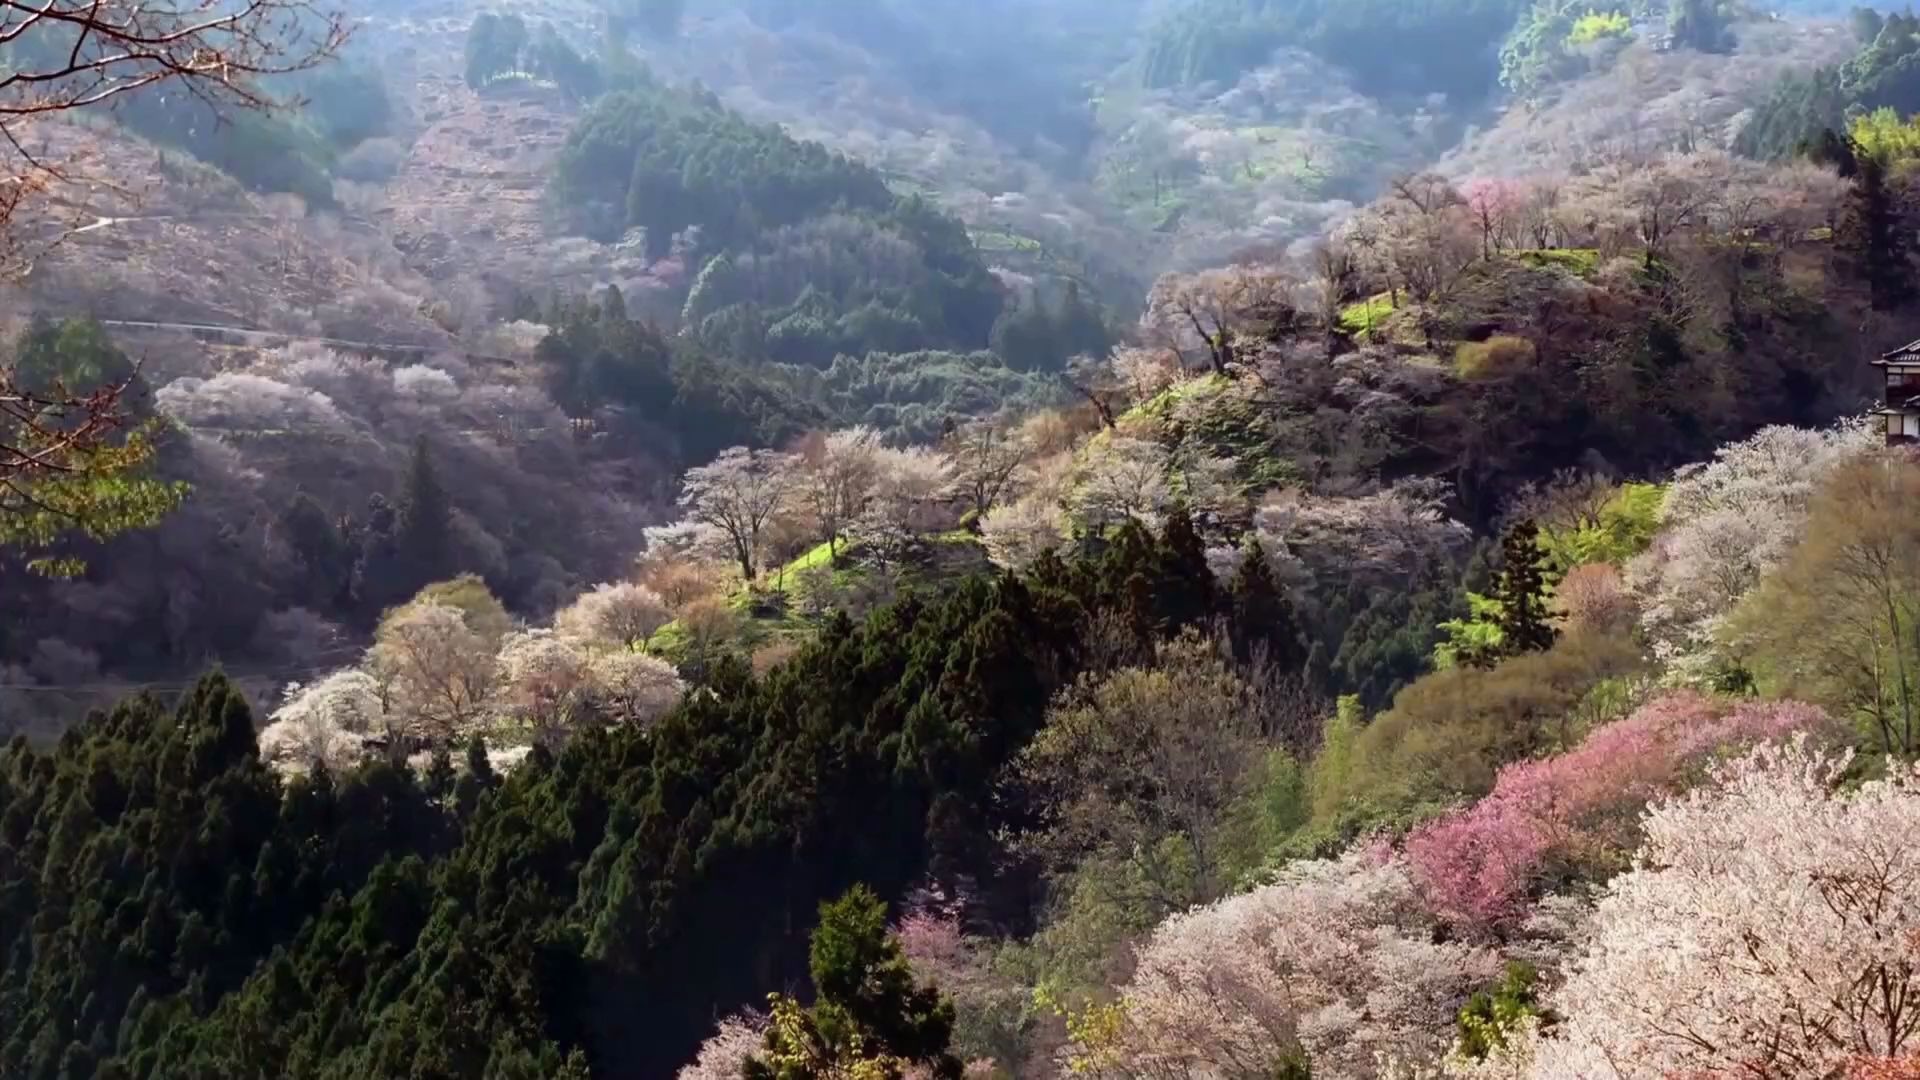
(162, 238)
(1019, 540)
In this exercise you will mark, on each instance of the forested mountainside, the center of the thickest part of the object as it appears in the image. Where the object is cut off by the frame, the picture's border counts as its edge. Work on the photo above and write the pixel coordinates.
(1137, 539)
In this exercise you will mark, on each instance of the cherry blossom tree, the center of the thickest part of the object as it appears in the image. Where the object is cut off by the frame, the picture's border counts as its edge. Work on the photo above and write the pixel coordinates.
(1477, 867)
(1727, 522)
(738, 494)
(1496, 205)
(245, 402)
(1017, 534)
(989, 458)
(725, 1054)
(1384, 537)
(991, 1009)
(623, 614)
(911, 489)
(683, 563)
(837, 475)
(327, 723)
(1419, 239)
(546, 684)
(1142, 373)
(633, 688)
(1121, 478)
(1205, 317)
(1335, 957)
(1770, 929)
(434, 670)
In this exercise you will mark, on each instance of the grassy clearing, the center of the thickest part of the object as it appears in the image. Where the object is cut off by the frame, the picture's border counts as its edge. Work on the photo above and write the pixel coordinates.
(1161, 405)
(1365, 316)
(1581, 262)
(820, 555)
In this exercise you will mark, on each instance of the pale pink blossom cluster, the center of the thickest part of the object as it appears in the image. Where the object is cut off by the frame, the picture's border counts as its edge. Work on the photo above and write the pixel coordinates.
(1726, 522)
(1770, 929)
(1479, 866)
(1336, 957)
(724, 1055)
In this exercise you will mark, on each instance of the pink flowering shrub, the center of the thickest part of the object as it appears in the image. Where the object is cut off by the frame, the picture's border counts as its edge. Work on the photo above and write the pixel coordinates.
(992, 1012)
(1580, 810)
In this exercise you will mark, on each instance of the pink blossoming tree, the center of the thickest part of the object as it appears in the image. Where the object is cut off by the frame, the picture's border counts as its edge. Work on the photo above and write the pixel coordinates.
(1580, 810)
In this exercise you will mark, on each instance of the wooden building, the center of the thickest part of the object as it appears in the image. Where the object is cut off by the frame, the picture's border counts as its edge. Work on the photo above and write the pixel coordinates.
(1899, 411)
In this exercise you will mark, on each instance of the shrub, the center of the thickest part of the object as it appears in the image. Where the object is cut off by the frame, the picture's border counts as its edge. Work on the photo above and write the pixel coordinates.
(1497, 357)
(1596, 26)
(1448, 734)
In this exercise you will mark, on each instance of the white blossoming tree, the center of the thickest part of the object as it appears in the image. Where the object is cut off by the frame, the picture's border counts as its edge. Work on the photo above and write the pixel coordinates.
(836, 476)
(634, 688)
(910, 490)
(1771, 929)
(1336, 958)
(1121, 479)
(623, 615)
(434, 670)
(1019, 532)
(738, 495)
(725, 1053)
(1385, 537)
(1725, 523)
(326, 723)
(545, 683)
(990, 460)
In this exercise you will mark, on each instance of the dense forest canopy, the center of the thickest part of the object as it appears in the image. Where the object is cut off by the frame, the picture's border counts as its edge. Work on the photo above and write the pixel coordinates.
(1116, 539)
(1393, 48)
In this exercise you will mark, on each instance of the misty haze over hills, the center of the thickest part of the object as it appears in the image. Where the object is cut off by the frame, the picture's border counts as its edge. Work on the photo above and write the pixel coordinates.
(866, 539)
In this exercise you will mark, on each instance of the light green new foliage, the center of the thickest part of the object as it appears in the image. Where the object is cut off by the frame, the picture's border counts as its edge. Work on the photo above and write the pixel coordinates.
(1475, 637)
(1273, 809)
(1883, 136)
(1623, 528)
(75, 445)
(1333, 768)
(1597, 26)
(98, 493)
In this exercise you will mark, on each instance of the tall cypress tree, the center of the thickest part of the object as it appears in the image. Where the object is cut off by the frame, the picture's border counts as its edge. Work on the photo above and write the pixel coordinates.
(1874, 237)
(328, 556)
(1263, 620)
(1521, 591)
(870, 1017)
(425, 541)
(1184, 581)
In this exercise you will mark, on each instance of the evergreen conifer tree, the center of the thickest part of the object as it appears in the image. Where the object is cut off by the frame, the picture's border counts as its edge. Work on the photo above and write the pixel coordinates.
(475, 782)
(1184, 582)
(425, 537)
(1079, 327)
(1874, 237)
(869, 1019)
(1263, 620)
(326, 553)
(1521, 592)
